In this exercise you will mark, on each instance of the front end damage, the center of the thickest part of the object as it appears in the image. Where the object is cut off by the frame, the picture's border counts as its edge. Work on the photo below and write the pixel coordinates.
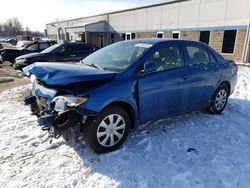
(59, 92)
(56, 113)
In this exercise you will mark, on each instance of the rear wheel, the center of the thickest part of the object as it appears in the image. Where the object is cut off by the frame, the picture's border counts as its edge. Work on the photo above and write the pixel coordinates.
(108, 130)
(219, 100)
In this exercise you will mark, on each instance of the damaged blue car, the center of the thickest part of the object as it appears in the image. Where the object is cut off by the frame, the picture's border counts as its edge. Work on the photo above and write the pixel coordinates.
(126, 84)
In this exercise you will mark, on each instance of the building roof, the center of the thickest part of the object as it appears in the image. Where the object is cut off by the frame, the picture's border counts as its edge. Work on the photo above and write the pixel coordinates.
(131, 9)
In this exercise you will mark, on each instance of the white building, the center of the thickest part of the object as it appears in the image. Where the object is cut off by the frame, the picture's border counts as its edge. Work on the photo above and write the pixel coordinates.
(223, 24)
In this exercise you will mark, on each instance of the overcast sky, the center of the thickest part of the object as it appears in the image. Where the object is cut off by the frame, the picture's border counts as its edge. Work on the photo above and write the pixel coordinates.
(35, 14)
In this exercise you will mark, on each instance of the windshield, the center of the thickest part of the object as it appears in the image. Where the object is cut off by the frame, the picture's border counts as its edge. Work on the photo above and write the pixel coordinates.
(117, 56)
(50, 49)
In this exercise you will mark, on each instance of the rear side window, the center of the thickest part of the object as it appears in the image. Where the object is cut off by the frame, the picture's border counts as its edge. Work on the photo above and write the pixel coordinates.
(33, 47)
(67, 49)
(199, 56)
(43, 46)
(82, 47)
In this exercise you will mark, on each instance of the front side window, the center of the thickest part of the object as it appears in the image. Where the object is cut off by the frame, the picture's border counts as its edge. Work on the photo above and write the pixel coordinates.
(167, 57)
(198, 56)
(117, 56)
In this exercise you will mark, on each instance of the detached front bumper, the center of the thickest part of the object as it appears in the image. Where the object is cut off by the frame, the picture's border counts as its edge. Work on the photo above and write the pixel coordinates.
(56, 121)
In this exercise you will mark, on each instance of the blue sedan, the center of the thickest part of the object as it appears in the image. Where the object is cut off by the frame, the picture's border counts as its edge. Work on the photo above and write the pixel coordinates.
(126, 84)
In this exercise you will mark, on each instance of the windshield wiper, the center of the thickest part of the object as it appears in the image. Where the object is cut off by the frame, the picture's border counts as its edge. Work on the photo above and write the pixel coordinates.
(91, 65)
(99, 67)
(96, 66)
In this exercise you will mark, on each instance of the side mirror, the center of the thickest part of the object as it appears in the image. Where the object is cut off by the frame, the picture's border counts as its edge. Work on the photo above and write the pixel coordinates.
(149, 67)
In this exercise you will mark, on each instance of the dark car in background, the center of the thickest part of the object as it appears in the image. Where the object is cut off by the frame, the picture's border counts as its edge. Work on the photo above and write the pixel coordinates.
(8, 54)
(67, 52)
(12, 41)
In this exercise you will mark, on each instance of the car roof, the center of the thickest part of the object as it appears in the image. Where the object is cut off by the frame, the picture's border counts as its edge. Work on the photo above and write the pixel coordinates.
(77, 43)
(155, 41)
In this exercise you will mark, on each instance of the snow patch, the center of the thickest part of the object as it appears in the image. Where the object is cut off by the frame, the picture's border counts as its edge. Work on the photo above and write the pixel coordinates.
(192, 150)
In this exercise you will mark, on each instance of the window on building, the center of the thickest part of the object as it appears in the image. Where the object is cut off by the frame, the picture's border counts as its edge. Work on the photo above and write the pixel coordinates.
(133, 35)
(67, 36)
(160, 35)
(204, 37)
(112, 38)
(176, 34)
(101, 40)
(229, 41)
(123, 36)
(198, 55)
(128, 36)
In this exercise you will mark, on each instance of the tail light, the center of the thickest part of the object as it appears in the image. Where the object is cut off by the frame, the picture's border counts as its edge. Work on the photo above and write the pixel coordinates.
(234, 64)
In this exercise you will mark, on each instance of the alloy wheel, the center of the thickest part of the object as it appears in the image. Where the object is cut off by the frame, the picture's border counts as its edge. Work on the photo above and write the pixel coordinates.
(221, 99)
(111, 130)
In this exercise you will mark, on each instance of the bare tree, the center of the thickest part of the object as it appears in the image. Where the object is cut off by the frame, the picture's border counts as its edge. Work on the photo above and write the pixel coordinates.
(12, 27)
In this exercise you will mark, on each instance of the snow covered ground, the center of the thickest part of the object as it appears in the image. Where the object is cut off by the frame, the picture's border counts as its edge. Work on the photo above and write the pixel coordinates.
(192, 150)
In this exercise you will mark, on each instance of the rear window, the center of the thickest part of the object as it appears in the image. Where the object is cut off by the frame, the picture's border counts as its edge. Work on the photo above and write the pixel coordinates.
(43, 46)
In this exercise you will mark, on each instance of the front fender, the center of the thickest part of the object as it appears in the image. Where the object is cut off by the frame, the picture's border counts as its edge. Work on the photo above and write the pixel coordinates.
(118, 91)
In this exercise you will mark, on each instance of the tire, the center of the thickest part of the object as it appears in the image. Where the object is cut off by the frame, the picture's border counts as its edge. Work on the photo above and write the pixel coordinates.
(219, 100)
(99, 134)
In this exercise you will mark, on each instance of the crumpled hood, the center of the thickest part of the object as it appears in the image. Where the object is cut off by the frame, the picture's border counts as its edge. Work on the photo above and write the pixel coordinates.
(31, 55)
(65, 74)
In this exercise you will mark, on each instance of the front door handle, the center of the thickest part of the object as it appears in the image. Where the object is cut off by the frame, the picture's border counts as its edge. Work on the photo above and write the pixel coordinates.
(217, 70)
(73, 55)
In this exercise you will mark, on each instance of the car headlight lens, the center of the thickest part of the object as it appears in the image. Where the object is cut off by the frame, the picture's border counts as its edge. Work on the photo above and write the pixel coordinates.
(32, 78)
(21, 61)
(63, 102)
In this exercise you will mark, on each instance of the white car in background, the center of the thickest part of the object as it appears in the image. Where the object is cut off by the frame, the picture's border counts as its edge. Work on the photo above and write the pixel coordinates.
(23, 43)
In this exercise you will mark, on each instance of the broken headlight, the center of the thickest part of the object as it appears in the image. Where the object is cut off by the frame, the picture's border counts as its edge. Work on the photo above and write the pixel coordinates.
(64, 102)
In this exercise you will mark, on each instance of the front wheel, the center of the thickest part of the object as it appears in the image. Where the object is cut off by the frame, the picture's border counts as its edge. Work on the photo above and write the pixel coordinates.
(108, 130)
(219, 100)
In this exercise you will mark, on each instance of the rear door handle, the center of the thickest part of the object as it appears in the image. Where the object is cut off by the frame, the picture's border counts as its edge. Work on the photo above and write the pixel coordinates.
(184, 77)
(73, 55)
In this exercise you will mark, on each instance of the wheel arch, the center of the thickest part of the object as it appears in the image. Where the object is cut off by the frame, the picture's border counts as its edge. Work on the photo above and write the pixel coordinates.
(227, 84)
(126, 106)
